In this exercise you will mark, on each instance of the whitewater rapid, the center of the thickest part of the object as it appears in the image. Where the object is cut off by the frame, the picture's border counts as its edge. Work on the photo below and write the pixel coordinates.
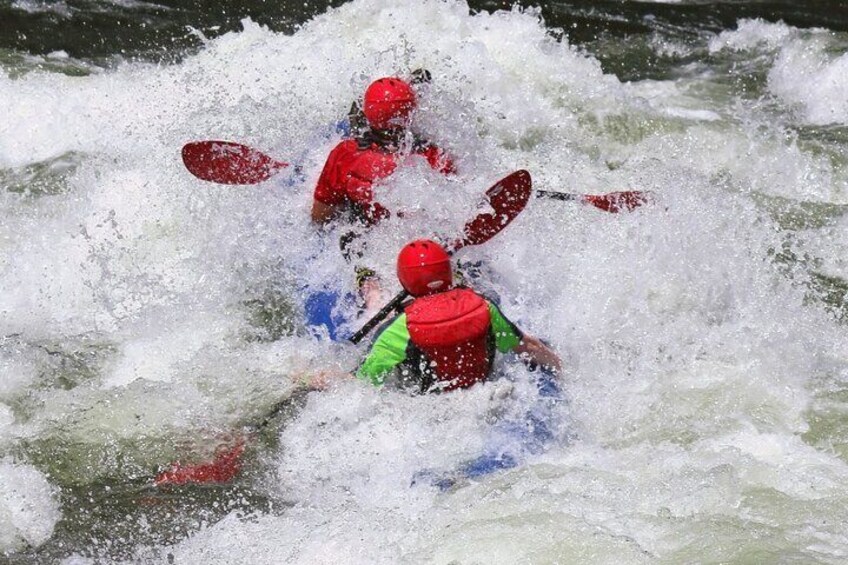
(146, 314)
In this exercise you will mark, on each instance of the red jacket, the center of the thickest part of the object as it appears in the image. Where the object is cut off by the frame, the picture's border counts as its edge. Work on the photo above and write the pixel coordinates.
(351, 170)
(452, 330)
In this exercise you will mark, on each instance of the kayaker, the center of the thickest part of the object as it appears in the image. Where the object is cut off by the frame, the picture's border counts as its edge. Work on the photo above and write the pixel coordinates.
(345, 189)
(447, 337)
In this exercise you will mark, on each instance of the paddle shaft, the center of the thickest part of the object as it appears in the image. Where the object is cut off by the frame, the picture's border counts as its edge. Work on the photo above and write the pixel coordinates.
(566, 196)
(393, 305)
(287, 402)
(283, 405)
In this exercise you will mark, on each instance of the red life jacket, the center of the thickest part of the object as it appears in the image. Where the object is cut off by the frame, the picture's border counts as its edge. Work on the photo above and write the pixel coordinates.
(451, 329)
(352, 169)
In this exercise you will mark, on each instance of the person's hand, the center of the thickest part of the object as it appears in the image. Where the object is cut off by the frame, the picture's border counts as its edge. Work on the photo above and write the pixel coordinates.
(323, 379)
(537, 351)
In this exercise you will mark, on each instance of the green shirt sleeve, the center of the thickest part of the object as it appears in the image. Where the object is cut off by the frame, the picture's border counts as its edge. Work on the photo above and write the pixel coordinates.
(388, 351)
(507, 335)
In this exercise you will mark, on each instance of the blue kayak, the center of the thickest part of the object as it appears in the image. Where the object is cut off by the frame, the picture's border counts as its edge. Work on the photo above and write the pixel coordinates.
(328, 314)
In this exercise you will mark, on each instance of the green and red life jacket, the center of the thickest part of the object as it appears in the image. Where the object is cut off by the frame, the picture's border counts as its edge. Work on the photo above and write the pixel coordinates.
(442, 342)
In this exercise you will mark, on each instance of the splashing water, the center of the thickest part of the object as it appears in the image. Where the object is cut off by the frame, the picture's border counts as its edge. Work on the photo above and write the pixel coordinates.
(147, 315)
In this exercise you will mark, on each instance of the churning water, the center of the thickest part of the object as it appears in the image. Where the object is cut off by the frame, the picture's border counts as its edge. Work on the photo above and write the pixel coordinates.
(146, 315)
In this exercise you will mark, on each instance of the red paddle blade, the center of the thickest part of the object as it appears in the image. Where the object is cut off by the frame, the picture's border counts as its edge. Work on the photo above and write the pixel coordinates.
(223, 469)
(226, 162)
(618, 201)
(507, 197)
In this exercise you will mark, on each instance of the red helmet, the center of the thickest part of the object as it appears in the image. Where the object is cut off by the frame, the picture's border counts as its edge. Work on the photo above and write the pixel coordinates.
(423, 267)
(388, 102)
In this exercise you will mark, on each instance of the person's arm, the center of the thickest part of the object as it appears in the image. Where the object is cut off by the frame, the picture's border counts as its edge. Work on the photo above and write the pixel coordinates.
(534, 349)
(328, 200)
(509, 338)
(387, 352)
(322, 379)
(323, 213)
(360, 193)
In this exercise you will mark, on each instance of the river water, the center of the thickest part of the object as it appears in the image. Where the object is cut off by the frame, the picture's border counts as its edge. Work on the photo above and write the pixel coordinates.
(146, 316)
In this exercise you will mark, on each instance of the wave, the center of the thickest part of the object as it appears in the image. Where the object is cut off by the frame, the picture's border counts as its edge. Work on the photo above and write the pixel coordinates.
(148, 315)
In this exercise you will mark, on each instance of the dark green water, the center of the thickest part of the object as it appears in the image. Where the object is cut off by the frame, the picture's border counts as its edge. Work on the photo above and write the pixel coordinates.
(161, 31)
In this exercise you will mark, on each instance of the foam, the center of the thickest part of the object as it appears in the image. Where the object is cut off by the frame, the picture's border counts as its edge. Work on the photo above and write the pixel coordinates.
(692, 360)
(806, 73)
(751, 34)
(28, 507)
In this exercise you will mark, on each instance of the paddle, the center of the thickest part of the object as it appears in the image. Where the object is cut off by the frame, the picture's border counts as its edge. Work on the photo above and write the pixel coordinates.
(227, 461)
(612, 202)
(226, 162)
(507, 198)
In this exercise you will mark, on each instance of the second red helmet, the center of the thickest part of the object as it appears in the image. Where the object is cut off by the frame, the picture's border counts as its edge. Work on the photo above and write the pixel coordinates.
(423, 267)
(388, 102)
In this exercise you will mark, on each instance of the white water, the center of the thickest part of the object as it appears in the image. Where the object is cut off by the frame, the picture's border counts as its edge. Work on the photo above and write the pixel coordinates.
(28, 509)
(693, 362)
(810, 73)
